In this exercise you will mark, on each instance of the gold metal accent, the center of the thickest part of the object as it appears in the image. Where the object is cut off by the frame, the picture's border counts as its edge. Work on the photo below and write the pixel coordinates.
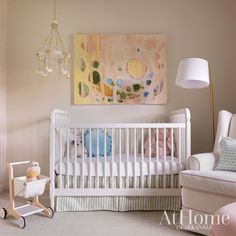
(212, 109)
(53, 51)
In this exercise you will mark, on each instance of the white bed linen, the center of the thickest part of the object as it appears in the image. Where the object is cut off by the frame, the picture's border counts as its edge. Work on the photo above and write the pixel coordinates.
(65, 168)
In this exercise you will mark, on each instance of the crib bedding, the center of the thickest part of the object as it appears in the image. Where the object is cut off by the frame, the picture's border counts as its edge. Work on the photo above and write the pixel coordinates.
(119, 203)
(167, 169)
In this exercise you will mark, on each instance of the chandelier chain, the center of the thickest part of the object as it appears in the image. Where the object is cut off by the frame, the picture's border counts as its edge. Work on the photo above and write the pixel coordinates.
(54, 9)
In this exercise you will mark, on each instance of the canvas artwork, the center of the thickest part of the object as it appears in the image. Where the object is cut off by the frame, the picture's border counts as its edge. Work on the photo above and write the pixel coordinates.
(120, 69)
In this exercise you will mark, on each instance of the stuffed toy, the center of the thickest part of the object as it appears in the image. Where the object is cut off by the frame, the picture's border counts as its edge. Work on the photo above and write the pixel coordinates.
(160, 142)
(79, 147)
(33, 171)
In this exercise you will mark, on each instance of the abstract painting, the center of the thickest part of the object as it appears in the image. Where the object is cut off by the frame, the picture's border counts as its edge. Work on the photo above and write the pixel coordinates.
(120, 69)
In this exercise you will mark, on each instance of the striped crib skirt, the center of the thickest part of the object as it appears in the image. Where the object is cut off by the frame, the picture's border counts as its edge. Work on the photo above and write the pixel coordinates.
(119, 203)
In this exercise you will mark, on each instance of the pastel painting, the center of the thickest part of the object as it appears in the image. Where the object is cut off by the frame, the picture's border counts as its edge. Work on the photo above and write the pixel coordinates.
(120, 69)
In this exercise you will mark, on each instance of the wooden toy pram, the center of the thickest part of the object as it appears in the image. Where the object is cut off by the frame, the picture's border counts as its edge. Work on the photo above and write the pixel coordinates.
(18, 186)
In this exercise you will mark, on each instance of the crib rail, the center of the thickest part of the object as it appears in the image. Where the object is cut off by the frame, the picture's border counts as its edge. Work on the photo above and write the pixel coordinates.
(121, 125)
(117, 159)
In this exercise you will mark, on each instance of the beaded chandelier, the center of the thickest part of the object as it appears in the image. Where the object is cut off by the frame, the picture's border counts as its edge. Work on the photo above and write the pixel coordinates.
(53, 53)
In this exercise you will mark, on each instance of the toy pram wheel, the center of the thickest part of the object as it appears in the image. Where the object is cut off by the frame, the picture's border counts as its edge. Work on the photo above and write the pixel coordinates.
(22, 222)
(50, 212)
(3, 213)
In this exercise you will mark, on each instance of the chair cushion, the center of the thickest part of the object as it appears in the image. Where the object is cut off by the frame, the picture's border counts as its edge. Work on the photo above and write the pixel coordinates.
(227, 160)
(219, 182)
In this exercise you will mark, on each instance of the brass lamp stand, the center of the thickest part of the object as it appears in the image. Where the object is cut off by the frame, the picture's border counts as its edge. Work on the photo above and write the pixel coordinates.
(212, 109)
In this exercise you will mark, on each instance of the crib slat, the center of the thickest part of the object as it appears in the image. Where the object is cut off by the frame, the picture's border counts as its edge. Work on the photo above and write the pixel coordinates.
(157, 157)
(124, 141)
(137, 140)
(105, 156)
(164, 167)
(60, 158)
(97, 161)
(68, 158)
(184, 154)
(82, 164)
(90, 158)
(131, 141)
(135, 156)
(112, 157)
(142, 158)
(127, 157)
(172, 157)
(180, 148)
(75, 159)
(180, 144)
(149, 157)
(120, 158)
(183, 149)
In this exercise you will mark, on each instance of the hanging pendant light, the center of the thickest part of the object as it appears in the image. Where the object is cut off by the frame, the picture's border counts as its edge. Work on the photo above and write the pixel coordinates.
(53, 51)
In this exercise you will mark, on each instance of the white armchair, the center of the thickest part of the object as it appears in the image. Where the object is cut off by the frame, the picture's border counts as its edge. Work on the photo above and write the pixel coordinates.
(204, 190)
(226, 127)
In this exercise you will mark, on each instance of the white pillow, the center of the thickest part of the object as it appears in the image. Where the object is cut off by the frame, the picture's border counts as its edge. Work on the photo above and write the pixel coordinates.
(227, 160)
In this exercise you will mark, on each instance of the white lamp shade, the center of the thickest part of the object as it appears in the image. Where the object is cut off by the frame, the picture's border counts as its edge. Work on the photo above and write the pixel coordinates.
(193, 73)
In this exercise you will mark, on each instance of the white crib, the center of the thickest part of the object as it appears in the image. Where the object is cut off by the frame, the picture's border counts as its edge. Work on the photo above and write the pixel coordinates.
(126, 171)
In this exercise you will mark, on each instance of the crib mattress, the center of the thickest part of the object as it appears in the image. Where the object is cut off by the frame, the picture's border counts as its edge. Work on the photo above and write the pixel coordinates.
(140, 168)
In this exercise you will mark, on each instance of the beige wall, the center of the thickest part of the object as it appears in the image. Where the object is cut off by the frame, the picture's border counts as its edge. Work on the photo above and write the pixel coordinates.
(194, 28)
(3, 89)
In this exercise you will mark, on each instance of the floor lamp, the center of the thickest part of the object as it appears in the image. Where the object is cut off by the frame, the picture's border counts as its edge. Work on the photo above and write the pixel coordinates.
(193, 73)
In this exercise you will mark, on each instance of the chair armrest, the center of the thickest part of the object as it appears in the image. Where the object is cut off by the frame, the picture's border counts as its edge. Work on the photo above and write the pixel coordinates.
(203, 161)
